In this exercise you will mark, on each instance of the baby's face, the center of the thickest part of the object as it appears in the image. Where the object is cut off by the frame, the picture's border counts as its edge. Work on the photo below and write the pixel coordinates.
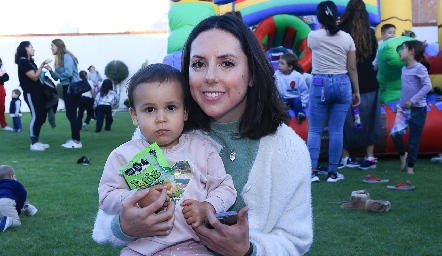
(389, 33)
(14, 95)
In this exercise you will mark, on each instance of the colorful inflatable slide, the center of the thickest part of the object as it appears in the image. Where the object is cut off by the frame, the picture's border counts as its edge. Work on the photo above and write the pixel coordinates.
(280, 24)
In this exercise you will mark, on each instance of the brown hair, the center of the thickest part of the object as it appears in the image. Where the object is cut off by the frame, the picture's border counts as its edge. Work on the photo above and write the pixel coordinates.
(61, 50)
(17, 91)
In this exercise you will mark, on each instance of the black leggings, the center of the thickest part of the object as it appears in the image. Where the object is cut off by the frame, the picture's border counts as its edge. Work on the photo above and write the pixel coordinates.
(101, 112)
(71, 105)
(36, 104)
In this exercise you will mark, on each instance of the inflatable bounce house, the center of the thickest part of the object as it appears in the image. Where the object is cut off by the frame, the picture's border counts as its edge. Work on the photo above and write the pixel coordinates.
(283, 25)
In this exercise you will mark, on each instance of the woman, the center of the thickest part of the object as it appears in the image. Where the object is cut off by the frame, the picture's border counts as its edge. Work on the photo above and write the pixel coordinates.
(355, 22)
(334, 75)
(66, 70)
(33, 91)
(236, 102)
(105, 100)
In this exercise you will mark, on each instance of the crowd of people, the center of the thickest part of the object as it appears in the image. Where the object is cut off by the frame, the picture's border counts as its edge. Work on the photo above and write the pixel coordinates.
(40, 94)
(220, 118)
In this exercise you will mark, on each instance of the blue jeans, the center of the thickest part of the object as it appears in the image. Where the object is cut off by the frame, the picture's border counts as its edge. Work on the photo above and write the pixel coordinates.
(17, 123)
(296, 105)
(416, 123)
(330, 98)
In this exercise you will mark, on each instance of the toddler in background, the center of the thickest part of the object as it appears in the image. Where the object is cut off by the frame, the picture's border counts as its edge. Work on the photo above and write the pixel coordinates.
(291, 84)
(12, 199)
(411, 110)
(14, 110)
(387, 31)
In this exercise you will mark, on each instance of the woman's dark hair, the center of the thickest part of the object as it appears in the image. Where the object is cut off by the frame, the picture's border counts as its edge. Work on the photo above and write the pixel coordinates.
(356, 19)
(264, 111)
(21, 51)
(160, 73)
(327, 14)
(419, 50)
(106, 86)
(292, 60)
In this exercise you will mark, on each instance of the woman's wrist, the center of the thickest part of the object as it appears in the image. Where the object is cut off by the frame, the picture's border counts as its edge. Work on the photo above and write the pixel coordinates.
(250, 251)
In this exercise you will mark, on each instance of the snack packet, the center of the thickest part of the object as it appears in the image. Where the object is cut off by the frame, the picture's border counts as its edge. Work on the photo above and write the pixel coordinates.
(149, 168)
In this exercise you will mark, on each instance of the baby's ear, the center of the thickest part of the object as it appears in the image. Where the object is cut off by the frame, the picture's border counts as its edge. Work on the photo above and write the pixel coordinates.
(133, 115)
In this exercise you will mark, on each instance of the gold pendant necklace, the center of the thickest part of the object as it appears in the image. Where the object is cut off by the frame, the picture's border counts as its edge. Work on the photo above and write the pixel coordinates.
(232, 155)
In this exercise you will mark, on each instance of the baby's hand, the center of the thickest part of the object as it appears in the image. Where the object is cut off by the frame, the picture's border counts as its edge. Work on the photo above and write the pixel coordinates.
(152, 196)
(195, 212)
(408, 104)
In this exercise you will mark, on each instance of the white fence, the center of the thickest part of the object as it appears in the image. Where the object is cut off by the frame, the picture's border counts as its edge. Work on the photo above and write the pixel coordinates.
(91, 49)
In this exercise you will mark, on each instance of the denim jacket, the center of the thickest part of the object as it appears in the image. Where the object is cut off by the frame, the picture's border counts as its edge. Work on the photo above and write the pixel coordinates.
(67, 71)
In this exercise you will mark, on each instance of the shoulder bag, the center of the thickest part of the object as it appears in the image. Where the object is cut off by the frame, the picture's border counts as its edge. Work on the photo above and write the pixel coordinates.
(79, 87)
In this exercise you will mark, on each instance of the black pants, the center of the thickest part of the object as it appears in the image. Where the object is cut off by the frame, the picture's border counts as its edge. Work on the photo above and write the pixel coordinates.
(101, 112)
(87, 104)
(71, 105)
(36, 104)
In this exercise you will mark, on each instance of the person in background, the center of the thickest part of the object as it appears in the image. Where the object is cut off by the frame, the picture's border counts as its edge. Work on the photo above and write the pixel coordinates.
(12, 199)
(232, 101)
(411, 109)
(387, 31)
(67, 72)
(334, 88)
(14, 110)
(158, 103)
(105, 100)
(291, 84)
(86, 102)
(3, 78)
(355, 22)
(95, 77)
(33, 91)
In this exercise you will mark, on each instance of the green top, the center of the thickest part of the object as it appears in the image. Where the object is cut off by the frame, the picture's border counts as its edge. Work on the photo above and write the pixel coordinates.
(246, 151)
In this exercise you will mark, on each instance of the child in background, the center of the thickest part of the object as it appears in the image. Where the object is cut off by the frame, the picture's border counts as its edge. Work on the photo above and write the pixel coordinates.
(159, 107)
(14, 110)
(387, 31)
(95, 77)
(105, 100)
(12, 199)
(291, 84)
(411, 110)
(86, 102)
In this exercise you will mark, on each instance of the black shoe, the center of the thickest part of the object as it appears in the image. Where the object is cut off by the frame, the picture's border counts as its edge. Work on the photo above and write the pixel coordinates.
(79, 161)
(300, 117)
(86, 161)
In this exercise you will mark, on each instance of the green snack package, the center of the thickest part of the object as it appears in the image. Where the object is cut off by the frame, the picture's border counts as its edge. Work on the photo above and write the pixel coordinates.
(149, 168)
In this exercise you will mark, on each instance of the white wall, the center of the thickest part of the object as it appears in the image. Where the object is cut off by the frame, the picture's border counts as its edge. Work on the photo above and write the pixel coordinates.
(425, 33)
(97, 50)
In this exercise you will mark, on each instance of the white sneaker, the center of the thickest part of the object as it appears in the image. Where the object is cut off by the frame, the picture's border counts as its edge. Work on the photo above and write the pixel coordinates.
(72, 144)
(29, 209)
(5, 223)
(36, 147)
(7, 128)
(45, 146)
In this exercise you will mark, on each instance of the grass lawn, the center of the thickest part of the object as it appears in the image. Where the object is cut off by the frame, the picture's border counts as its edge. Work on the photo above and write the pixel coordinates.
(65, 194)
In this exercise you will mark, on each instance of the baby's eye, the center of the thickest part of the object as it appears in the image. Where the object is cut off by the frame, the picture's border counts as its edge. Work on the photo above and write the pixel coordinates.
(171, 107)
(150, 109)
(197, 64)
(228, 64)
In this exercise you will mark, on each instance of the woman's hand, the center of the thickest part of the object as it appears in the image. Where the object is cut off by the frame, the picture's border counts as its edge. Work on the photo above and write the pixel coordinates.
(47, 61)
(356, 100)
(144, 222)
(48, 67)
(223, 239)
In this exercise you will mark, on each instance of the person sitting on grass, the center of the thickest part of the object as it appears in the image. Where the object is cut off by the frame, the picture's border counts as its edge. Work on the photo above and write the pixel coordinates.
(12, 199)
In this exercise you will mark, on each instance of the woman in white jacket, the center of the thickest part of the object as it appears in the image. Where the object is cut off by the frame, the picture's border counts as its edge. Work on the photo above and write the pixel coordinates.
(105, 100)
(236, 103)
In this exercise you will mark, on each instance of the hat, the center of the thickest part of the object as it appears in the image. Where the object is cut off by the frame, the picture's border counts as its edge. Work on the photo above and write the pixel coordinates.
(89, 68)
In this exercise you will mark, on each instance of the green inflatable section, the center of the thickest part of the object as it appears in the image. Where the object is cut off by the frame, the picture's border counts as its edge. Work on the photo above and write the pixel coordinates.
(182, 19)
(390, 69)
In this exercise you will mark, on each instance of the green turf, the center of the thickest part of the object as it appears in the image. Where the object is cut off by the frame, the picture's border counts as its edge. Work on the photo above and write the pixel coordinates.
(65, 194)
